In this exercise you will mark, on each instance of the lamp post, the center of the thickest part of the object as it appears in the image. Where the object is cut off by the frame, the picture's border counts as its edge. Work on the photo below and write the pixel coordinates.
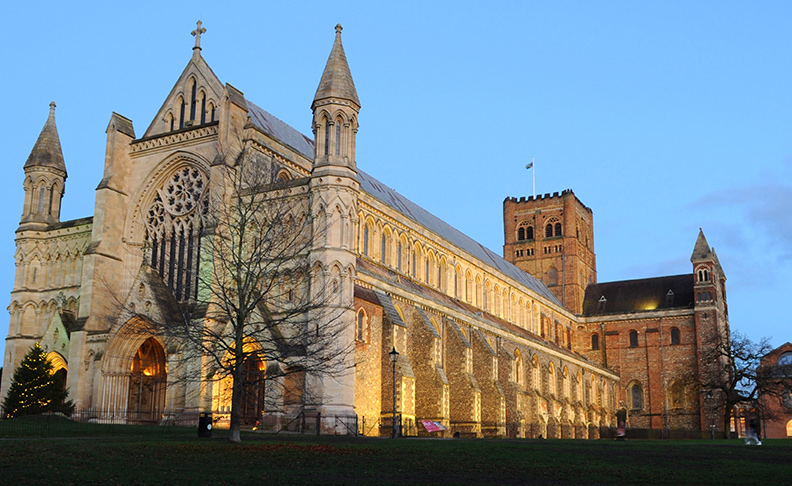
(394, 356)
(712, 418)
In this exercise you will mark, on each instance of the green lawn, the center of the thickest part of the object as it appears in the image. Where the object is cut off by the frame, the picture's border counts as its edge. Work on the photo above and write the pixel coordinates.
(177, 456)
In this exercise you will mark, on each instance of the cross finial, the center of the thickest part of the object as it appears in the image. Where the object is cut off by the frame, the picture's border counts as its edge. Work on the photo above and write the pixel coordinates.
(197, 34)
(338, 28)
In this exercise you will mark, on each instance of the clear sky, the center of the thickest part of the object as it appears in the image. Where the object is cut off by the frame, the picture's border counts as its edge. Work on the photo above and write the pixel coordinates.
(663, 117)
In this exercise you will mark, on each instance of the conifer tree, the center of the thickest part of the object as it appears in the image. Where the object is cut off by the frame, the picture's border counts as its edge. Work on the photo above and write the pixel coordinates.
(35, 389)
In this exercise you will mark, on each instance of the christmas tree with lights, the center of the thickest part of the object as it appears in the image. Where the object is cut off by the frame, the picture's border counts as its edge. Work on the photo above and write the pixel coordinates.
(35, 389)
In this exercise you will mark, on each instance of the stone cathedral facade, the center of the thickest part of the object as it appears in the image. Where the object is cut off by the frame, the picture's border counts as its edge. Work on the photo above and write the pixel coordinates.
(488, 346)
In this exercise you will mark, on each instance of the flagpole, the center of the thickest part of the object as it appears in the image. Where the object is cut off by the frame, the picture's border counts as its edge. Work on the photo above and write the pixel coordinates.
(533, 174)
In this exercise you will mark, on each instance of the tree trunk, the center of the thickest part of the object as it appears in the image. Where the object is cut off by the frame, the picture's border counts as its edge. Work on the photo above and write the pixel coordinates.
(236, 403)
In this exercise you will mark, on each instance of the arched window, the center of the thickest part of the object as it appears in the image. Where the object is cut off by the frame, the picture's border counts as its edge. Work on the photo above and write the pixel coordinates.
(518, 367)
(552, 277)
(595, 342)
(529, 233)
(383, 248)
(338, 137)
(785, 359)
(193, 92)
(365, 239)
(327, 126)
(786, 398)
(51, 197)
(360, 329)
(42, 190)
(173, 230)
(558, 229)
(181, 114)
(703, 275)
(675, 335)
(633, 339)
(520, 233)
(549, 230)
(636, 397)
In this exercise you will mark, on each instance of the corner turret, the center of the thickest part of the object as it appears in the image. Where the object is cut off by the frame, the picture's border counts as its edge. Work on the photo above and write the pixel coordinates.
(335, 111)
(45, 178)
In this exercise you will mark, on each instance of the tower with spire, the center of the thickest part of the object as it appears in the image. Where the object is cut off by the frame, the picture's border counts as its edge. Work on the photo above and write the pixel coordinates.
(45, 178)
(334, 193)
(711, 321)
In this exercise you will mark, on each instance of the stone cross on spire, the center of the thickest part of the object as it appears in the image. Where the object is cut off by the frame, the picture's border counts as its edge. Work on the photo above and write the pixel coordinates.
(197, 34)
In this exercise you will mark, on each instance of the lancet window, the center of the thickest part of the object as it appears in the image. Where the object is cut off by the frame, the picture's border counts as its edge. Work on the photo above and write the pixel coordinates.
(174, 223)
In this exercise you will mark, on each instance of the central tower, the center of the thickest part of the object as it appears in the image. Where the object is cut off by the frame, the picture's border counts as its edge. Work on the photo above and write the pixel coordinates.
(552, 238)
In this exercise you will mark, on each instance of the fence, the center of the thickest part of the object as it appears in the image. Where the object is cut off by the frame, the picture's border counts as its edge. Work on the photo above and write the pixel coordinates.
(314, 423)
(95, 422)
(89, 422)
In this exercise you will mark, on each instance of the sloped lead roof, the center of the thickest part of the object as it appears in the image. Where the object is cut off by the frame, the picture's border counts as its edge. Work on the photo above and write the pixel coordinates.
(393, 199)
(641, 295)
(279, 130)
(374, 188)
(47, 150)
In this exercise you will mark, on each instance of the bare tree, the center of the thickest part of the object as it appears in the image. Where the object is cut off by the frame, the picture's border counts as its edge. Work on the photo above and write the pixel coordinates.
(260, 309)
(736, 361)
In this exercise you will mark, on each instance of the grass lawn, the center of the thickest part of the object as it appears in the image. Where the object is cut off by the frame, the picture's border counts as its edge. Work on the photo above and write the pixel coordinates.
(179, 457)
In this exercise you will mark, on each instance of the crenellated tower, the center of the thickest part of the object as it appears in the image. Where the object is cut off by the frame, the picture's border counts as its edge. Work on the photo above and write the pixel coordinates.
(552, 238)
(334, 194)
(45, 178)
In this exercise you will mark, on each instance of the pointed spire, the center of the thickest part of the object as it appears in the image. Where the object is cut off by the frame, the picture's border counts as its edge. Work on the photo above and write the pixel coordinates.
(337, 78)
(702, 249)
(47, 151)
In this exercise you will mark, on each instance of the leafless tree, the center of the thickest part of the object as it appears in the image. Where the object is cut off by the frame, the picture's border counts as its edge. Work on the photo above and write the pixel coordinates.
(259, 303)
(735, 362)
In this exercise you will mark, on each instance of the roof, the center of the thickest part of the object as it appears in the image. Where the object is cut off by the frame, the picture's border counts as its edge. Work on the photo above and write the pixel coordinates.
(336, 79)
(47, 150)
(304, 145)
(642, 295)
(394, 200)
(702, 249)
(280, 131)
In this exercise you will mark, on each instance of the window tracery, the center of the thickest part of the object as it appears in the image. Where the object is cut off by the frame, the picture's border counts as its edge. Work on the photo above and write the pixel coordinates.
(174, 222)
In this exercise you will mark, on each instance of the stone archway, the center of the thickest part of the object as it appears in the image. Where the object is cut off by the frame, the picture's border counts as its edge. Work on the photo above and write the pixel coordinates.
(147, 382)
(59, 368)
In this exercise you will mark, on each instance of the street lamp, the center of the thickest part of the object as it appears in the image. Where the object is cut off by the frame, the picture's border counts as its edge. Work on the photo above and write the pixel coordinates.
(712, 417)
(394, 356)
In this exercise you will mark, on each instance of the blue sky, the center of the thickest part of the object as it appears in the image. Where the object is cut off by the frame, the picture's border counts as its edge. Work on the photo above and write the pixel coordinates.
(663, 117)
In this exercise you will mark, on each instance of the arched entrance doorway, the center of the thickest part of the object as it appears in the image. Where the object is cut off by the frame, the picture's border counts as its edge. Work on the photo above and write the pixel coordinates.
(253, 390)
(147, 383)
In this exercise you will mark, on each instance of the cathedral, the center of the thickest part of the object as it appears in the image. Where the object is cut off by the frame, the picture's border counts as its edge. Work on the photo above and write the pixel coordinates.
(446, 337)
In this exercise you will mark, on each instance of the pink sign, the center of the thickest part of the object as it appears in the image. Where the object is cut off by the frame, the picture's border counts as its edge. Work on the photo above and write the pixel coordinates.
(432, 426)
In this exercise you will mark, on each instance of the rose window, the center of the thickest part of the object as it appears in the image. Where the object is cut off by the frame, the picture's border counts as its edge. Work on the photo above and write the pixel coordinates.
(182, 193)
